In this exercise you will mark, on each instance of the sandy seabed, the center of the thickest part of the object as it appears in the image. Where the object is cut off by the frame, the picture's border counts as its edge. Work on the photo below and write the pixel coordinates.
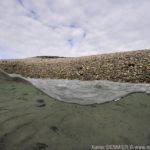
(30, 120)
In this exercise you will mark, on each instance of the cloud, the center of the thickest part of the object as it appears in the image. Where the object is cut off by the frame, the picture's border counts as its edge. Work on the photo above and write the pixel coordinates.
(72, 27)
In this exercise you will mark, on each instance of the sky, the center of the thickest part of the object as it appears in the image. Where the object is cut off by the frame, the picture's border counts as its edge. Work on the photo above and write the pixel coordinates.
(72, 27)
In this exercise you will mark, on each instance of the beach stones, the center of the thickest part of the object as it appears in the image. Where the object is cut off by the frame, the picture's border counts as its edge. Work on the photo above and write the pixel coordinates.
(131, 67)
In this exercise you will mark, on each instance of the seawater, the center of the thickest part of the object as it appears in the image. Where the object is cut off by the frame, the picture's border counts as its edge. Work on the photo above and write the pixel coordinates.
(85, 92)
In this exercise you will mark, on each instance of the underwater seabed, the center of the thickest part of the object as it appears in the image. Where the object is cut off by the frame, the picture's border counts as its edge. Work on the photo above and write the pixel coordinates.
(31, 120)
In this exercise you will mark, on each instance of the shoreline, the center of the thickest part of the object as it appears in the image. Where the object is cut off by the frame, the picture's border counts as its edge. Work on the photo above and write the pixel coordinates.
(132, 66)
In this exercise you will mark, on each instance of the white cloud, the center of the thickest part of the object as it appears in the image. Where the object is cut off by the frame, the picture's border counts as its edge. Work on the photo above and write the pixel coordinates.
(72, 27)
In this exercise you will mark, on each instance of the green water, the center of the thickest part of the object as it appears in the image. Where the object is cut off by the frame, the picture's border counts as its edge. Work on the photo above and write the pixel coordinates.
(30, 120)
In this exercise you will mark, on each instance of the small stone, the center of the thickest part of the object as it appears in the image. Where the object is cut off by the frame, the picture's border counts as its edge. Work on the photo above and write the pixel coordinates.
(40, 146)
(40, 103)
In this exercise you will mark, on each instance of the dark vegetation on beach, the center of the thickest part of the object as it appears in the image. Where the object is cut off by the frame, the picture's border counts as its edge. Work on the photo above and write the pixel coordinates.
(48, 57)
(133, 66)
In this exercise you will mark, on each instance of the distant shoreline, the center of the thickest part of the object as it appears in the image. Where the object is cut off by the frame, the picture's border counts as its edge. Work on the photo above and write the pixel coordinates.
(131, 66)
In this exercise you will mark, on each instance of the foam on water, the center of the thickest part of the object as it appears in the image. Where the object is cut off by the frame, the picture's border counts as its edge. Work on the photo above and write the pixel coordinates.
(85, 92)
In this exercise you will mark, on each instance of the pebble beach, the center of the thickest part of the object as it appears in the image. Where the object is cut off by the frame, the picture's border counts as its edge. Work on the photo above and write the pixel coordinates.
(133, 66)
